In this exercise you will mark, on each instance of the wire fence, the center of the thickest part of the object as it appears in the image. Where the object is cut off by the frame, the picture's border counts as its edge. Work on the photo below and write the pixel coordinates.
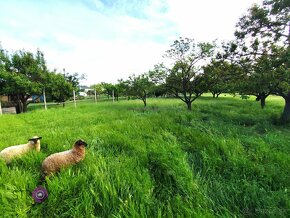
(45, 105)
(72, 103)
(50, 105)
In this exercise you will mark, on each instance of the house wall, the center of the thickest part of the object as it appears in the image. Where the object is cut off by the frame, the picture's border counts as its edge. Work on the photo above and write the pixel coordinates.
(4, 98)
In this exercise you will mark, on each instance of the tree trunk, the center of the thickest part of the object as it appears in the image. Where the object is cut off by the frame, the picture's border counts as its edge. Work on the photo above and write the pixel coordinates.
(262, 98)
(144, 101)
(217, 95)
(25, 105)
(263, 101)
(19, 105)
(63, 104)
(24, 102)
(285, 118)
(144, 98)
(188, 103)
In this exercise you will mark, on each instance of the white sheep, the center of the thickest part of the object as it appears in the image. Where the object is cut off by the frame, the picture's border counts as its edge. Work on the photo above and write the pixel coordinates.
(12, 152)
(57, 161)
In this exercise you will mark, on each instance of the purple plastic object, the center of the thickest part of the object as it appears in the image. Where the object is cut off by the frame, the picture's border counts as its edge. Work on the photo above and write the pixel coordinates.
(39, 194)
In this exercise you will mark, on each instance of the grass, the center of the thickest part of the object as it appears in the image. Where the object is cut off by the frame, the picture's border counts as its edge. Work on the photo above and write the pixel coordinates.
(224, 158)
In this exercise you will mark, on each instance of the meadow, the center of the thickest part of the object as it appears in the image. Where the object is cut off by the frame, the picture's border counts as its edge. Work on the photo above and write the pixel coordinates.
(225, 158)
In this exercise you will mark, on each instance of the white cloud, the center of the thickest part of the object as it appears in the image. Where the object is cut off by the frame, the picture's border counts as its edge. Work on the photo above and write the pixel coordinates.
(113, 41)
(208, 19)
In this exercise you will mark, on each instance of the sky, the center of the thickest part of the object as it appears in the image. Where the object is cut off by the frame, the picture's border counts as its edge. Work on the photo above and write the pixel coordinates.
(109, 40)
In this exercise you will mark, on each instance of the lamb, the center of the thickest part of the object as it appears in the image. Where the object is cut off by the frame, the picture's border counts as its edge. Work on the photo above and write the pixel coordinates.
(57, 161)
(12, 152)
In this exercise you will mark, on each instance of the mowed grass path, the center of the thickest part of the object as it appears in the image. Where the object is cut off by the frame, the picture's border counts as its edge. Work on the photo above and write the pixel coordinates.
(224, 158)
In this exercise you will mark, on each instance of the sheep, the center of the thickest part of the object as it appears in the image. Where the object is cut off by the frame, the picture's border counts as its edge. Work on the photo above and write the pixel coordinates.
(55, 162)
(12, 152)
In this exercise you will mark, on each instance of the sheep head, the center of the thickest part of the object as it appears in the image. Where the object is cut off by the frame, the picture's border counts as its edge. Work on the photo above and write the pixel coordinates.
(35, 140)
(80, 143)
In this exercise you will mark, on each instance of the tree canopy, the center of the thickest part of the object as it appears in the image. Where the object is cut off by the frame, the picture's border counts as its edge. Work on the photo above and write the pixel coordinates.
(185, 79)
(24, 74)
(262, 45)
(139, 86)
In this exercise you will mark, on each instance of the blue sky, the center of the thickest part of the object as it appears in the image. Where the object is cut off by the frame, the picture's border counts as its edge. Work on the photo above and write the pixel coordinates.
(109, 40)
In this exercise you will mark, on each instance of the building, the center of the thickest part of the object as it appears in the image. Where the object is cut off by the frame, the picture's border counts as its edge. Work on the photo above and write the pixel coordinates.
(84, 90)
(7, 106)
(4, 98)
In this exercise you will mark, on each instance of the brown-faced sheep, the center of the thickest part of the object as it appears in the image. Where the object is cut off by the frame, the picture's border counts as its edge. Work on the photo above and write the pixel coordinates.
(55, 162)
(18, 150)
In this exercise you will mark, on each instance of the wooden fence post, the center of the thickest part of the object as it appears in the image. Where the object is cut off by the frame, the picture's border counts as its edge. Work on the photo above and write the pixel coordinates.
(75, 98)
(44, 100)
(113, 96)
(0, 109)
(95, 96)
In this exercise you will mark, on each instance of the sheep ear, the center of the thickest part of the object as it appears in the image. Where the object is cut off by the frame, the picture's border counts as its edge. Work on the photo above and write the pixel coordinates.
(33, 139)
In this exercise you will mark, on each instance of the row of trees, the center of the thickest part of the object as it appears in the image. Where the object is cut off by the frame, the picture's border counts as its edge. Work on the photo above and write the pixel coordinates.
(255, 63)
(24, 74)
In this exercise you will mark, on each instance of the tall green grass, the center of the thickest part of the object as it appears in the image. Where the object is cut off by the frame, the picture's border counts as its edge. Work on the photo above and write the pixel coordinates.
(224, 158)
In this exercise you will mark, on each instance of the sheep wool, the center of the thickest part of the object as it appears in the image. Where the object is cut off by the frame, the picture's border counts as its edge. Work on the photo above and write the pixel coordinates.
(12, 152)
(57, 161)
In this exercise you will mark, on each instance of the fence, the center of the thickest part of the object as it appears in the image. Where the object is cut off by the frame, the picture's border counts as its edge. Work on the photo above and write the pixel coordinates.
(45, 105)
